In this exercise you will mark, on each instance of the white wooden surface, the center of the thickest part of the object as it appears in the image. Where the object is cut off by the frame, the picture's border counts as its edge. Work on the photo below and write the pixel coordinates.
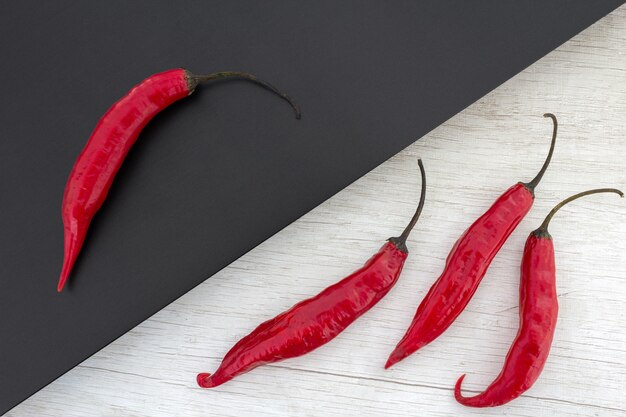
(470, 160)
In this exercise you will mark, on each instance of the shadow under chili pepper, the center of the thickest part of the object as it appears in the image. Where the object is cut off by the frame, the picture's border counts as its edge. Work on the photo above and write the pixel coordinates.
(76, 211)
(152, 136)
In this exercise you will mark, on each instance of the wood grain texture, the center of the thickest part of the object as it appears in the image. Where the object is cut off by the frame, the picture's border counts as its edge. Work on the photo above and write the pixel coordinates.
(470, 160)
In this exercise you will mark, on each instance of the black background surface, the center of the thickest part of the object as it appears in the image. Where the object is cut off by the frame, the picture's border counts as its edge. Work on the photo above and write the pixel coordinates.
(221, 171)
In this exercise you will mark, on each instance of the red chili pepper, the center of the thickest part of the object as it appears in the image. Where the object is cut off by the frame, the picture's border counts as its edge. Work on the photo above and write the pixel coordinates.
(317, 320)
(538, 315)
(467, 263)
(114, 135)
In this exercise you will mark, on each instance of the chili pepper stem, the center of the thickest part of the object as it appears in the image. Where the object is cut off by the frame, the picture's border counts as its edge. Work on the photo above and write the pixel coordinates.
(400, 241)
(194, 80)
(543, 229)
(535, 181)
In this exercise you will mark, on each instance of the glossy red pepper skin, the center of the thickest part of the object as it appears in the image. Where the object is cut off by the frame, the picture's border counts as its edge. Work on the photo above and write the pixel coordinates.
(312, 322)
(114, 135)
(112, 138)
(465, 267)
(468, 262)
(316, 321)
(538, 315)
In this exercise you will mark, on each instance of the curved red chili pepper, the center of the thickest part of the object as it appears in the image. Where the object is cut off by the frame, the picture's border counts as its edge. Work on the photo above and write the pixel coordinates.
(317, 320)
(112, 138)
(538, 315)
(467, 263)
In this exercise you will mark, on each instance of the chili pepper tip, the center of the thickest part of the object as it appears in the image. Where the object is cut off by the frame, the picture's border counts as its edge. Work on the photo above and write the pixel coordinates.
(206, 380)
(395, 357)
(202, 380)
(68, 262)
(457, 390)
